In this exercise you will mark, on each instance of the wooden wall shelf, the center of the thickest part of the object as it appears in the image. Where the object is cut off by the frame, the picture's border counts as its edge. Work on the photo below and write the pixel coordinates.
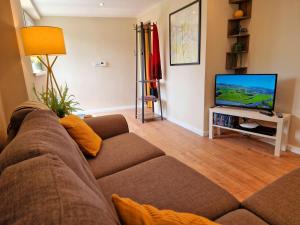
(235, 58)
(238, 35)
(237, 1)
(240, 18)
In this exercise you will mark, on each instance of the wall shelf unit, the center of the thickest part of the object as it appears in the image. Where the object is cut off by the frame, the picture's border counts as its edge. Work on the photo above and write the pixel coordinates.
(238, 35)
(235, 59)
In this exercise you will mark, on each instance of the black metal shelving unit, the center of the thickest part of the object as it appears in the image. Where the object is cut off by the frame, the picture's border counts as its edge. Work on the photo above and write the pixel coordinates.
(145, 97)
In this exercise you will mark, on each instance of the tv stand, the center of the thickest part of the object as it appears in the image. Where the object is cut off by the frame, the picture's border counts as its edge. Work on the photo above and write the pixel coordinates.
(282, 125)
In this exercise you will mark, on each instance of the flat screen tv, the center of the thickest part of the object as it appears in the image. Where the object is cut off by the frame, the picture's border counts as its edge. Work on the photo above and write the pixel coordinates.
(254, 91)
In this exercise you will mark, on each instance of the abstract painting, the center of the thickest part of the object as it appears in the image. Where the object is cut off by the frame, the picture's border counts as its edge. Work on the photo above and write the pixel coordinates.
(184, 25)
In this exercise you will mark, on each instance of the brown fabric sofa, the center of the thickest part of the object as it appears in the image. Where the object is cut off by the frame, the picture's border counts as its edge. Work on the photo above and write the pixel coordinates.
(45, 179)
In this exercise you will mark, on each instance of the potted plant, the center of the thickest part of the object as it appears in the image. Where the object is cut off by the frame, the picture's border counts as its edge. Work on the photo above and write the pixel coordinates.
(62, 106)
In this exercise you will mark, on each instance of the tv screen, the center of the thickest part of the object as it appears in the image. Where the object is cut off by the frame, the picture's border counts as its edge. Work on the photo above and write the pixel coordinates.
(255, 91)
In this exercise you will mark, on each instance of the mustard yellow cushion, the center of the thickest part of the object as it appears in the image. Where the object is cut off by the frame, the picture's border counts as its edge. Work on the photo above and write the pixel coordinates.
(89, 142)
(132, 213)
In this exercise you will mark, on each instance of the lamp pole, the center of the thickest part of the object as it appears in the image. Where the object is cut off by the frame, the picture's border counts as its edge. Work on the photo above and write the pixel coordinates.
(50, 75)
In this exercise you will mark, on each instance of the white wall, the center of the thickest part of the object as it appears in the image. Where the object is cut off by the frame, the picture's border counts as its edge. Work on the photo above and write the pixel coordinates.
(275, 48)
(183, 86)
(91, 39)
(218, 44)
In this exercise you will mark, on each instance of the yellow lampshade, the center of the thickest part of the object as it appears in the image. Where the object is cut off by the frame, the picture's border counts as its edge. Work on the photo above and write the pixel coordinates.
(41, 40)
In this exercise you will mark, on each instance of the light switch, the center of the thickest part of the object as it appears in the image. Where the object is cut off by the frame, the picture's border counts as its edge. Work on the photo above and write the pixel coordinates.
(100, 64)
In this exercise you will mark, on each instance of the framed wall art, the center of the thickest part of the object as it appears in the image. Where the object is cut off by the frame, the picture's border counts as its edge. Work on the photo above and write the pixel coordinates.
(184, 35)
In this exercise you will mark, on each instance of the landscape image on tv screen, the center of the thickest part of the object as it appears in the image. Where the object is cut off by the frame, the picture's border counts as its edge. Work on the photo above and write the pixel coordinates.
(250, 91)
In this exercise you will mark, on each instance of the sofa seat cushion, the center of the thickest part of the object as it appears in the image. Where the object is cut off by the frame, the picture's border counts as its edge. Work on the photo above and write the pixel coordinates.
(278, 203)
(240, 217)
(43, 190)
(166, 183)
(121, 152)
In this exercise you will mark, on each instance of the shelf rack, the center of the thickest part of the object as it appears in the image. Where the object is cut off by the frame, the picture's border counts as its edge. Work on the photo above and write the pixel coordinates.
(145, 97)
(234, 59)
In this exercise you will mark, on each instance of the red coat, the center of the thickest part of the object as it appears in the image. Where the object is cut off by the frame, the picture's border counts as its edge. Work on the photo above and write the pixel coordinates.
(155, 60)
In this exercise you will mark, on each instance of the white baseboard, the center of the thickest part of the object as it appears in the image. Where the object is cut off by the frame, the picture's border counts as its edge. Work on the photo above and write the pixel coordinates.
(120, 108)
(188, 127)
(294, 149)
(290, 148)
(105, 110)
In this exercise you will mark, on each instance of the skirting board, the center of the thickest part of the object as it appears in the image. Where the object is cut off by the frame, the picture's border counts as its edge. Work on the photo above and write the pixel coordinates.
(188, 127)
(290, 148)
(120, 108)
(294, 149)
(105, 110)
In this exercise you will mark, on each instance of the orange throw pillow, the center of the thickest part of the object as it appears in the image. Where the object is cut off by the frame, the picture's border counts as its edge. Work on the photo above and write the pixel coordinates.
(89, 142)
(132, 213)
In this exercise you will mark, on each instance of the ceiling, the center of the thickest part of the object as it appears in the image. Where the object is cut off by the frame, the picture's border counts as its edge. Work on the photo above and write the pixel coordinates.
(92, 8)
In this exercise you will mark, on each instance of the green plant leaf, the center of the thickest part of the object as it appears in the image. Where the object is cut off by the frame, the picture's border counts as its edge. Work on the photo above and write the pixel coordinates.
(61, 105)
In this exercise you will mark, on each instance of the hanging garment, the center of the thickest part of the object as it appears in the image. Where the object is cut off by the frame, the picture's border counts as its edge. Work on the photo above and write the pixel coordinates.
(155, 62)
(156, 73)
(148, 64)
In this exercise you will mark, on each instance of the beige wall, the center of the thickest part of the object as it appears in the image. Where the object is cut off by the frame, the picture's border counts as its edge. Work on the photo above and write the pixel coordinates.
(275, 48)
(183, 86)
(25, 60)
(91, 39)
(12, 82)
(218, 12)
(3, 123)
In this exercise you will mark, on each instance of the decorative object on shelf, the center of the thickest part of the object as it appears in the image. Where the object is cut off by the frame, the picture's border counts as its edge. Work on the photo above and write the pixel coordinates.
(238, 13)
(243, 30)
(46, 41)
(184, 35)
(241, 60)
(237, 47)
(62, 105)
(225, 120)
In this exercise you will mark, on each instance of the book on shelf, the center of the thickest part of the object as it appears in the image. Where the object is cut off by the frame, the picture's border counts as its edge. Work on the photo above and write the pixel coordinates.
(225, 120)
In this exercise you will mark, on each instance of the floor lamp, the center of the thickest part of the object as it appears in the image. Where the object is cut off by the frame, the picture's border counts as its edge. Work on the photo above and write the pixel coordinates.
(45, 41)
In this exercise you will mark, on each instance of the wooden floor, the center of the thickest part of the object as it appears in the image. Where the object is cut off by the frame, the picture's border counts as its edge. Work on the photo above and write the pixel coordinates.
(239, 164)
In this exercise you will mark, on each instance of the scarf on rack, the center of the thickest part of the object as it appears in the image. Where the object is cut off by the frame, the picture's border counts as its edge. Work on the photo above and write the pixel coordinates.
(155, 61)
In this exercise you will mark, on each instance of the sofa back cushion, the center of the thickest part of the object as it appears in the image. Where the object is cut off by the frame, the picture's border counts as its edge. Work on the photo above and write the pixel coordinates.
(18, 116)
(40, 134)
(43, 190)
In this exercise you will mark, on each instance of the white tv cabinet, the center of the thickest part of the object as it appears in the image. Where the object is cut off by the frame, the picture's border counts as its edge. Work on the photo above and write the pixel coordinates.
(282, 125)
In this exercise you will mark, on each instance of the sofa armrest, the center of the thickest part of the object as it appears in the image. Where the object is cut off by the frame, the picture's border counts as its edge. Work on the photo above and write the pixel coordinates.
(108, 126)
